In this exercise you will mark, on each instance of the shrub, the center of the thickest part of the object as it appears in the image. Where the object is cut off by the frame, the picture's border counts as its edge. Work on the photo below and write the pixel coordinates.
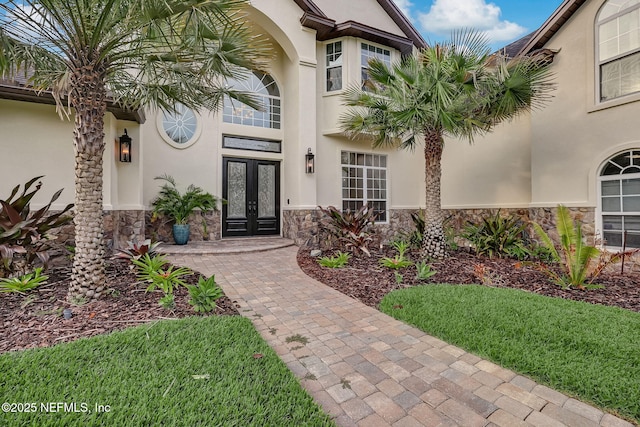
(178, 206)
(424, 270)
(338, 261)
(399, 261)
(151, 270)
(351, 229)
(577, 257)
(204, 295)
(168, 302)
(135, 250)
(498, 236)
(25, 232)
(24, 283)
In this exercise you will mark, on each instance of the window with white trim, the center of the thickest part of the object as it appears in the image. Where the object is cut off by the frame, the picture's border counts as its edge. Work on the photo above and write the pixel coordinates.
(265, 89)
(619, 183)
(368, 52)
(334, 66)
(364, 180)
(618, 34)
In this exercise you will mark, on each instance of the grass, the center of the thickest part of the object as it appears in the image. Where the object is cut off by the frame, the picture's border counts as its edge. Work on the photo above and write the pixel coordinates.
(213, 371)
(584, 350)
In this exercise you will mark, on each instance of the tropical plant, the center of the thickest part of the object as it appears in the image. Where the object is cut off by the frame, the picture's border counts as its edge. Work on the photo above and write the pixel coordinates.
(204, 295)
(89, 54)
(151, 270)
(424, 270)
(24, 283)
(168, 302)
(337, 261)
(25, 232)
(351, 229)
(135, 250)
(398, 261)
(454, 89)
(499, 236)
(577, 257)
(179, 206)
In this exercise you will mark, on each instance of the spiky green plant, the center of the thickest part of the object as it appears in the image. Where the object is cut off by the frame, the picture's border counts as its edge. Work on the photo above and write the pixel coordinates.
(204, 295)
(575, 255)
(24, 283)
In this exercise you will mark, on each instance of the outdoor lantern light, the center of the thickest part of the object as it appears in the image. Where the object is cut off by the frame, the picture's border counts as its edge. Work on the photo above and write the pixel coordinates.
(309, 161)
(125, 148)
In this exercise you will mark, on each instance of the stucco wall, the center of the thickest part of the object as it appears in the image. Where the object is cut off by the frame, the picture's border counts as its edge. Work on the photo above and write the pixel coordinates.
(565, 143)
(575, 134)
(34, 141)
(366, 11)
(493, 171)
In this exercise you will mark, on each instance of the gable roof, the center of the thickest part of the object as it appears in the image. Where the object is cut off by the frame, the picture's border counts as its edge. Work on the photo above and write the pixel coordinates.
(327, 28)
(539, 38)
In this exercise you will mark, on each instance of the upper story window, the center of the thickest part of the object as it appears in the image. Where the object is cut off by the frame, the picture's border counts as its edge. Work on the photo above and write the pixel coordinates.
(367, 52)
(265, 88)
(334, 66)
(618, 33)
(620, 200)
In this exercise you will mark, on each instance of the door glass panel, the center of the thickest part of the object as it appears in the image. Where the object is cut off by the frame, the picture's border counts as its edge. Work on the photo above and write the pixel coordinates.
(266, 191)
(237, 189)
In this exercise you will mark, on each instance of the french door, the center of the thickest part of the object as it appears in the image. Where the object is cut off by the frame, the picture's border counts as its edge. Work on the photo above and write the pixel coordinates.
(251, 188)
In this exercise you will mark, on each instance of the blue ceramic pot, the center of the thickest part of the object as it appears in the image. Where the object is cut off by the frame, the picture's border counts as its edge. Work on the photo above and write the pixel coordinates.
(181, 233)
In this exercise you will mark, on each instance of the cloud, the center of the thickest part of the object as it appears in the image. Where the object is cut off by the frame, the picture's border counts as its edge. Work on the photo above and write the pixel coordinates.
(405, 7)
(447, 15)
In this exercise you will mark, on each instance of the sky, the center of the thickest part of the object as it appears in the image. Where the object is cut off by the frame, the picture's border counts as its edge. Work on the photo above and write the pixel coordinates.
(502, 21)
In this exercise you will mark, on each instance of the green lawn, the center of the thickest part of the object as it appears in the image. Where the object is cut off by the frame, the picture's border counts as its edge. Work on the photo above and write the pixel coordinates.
(585, 350)
(146, 377)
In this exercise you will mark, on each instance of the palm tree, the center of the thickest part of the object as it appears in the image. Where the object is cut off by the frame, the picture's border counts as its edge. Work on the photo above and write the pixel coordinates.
(454, 89)
(137, 53)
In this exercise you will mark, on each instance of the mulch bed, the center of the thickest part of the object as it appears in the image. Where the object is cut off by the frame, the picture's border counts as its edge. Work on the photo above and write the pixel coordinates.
(366, 280)
(36, 320)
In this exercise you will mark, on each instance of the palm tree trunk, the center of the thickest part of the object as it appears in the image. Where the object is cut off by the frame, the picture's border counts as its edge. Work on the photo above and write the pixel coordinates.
(433, 242)
(88, 97)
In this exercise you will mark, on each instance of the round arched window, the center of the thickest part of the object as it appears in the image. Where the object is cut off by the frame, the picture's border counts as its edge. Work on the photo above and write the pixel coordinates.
(180, 128)
(265, 91)
(619, 200)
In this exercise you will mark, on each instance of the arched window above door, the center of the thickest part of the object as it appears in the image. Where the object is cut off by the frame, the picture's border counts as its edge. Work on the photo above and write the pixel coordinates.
(267, 93)
(619, 200)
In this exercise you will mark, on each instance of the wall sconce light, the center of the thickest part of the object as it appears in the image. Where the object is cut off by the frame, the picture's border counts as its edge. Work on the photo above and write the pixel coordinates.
(125, 148)
(309, 161)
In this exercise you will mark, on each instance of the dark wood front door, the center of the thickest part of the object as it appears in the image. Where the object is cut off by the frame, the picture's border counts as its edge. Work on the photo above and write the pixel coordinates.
(252, 190)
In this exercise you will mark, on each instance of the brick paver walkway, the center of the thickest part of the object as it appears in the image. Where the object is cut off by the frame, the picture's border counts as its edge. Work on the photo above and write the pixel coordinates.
(368, 369)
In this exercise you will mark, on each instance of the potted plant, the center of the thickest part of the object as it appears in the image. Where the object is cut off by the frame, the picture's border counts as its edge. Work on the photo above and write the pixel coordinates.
(179, 206)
